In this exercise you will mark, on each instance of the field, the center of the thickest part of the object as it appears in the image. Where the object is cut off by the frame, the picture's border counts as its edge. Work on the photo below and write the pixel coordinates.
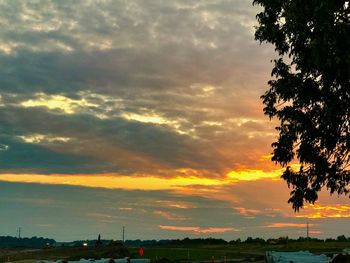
(181, 253)
(235, 252)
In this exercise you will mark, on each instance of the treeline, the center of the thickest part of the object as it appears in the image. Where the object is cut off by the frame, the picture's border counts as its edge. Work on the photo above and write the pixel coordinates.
(185, 241)
(284, 240)
(32, 242)
(215, 241)
(39, 242)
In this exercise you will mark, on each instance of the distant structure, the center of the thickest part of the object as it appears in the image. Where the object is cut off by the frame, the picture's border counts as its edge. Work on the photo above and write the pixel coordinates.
(307, 230)
(123, 234)
(19, 232)
(99, 242)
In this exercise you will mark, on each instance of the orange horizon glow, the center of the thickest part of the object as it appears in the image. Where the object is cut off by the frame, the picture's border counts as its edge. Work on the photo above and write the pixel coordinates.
(111, 181)
(326, 211)
(186, 177)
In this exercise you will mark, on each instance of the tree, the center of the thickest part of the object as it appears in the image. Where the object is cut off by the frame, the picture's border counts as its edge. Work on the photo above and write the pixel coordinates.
(309, 93)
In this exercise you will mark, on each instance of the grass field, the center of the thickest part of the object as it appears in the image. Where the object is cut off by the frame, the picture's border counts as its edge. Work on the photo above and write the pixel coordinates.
(235, 251)
(195, 253)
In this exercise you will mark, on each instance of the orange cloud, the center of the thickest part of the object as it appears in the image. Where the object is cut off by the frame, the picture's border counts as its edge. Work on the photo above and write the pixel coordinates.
(125, 208)
(265, 157)
(199, 230)
(170, 216)
(247, 213)
(325, 211)
(283, 225)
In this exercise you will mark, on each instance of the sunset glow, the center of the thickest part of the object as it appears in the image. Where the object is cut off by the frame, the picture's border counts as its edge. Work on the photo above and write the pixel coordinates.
(326, 211)
(143, 114)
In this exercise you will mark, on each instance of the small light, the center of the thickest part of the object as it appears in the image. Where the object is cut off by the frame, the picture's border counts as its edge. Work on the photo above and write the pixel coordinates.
(85, 244)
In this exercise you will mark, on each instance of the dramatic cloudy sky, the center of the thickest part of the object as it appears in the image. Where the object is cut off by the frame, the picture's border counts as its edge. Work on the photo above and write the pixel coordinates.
(144, 114)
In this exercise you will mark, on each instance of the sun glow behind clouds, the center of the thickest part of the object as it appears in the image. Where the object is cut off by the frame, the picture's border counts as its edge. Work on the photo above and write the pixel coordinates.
(250, 175)
(143, 181)
(112, 181)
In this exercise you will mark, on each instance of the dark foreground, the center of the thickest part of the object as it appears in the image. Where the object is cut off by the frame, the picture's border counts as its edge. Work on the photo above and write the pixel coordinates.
(166, 254)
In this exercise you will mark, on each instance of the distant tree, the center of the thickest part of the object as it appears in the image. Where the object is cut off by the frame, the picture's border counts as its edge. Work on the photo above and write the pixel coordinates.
(33, 242)
(309, 92)
(256, 240)
(341, 238)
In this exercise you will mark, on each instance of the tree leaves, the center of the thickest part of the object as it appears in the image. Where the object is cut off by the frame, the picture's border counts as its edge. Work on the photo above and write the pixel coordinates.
(309, 94)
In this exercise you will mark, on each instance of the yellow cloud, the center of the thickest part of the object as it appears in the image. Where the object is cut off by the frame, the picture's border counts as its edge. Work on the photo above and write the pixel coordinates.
(182, 180)
(147, 118)
(325, 211)
(112, 181)
(251, 175)
(156, 119)
(265, 157)
(57, 102)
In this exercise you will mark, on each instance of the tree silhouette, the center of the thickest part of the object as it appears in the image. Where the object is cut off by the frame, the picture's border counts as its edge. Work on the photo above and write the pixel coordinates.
(309, 92)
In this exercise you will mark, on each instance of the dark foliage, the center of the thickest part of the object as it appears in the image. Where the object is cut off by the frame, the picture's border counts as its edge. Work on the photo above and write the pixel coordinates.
(33, 242)
(256, 240)
(185, 241)
(341, 259)
(309, 92)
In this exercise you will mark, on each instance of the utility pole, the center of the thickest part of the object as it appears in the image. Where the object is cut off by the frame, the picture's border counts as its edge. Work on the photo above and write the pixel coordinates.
(123, 233)
(19, 232)
(307, 230)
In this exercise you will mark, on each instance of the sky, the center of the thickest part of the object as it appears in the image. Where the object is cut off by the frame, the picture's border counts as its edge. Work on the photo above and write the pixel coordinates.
(143, 114)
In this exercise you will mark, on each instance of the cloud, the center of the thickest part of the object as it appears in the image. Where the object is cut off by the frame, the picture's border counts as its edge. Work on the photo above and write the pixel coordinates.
(91, 210)
(248, 213)
(145, 86)
(56, 102)
(177, 205)
(198, 229)
(111, 181)
(170, 216)
(287, 225)
(3, 147)
(325, 211)
(249, 174)
(40, 138)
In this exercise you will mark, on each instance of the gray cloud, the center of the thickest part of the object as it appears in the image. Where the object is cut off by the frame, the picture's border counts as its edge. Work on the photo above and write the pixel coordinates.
(194, 64)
